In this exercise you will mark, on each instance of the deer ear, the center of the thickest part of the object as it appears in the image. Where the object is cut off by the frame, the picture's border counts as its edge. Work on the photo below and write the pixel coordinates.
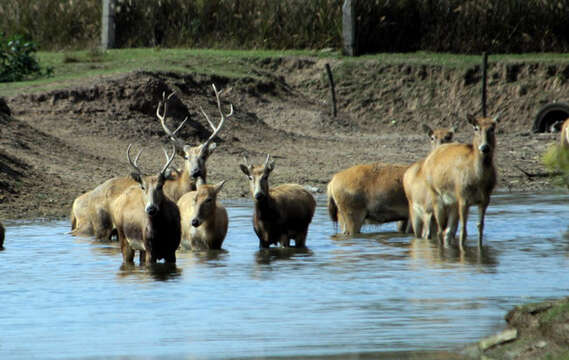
(471, 119)
(427, 130)
(136, 177)
(245, 169)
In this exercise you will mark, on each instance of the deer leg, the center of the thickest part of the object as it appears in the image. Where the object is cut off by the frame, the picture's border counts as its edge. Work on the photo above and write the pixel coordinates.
(141, 257)
(127, 251)
(428, 225)
(463, 214)
(284, 240)
(482, 211)
(416, 222)
(300, 240)
(440, 218)
(452, 222)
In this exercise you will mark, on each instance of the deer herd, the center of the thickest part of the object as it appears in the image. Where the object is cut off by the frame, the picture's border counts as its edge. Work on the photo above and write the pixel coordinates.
(158, 214)
(177, 209)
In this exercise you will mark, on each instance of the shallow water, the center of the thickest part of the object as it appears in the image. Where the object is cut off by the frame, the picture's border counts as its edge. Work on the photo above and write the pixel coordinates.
(380, 293)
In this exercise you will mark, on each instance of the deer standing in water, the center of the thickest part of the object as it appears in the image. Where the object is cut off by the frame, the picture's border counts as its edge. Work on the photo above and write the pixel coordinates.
(462, 175)
(281, 213)
(373, 193)
(145, 219)
(420, 201)
(90, 214)
(204, 219)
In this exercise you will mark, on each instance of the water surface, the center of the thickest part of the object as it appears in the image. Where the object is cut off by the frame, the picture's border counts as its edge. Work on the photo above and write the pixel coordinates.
(380, 293)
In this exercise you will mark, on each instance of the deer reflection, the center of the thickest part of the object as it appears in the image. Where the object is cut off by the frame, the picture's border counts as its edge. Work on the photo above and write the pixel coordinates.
(432, 253)
(266, 256)
(155, 272)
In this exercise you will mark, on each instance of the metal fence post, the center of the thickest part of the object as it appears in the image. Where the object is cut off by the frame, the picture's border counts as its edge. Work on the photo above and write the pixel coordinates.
(108, 25)
(349, 28)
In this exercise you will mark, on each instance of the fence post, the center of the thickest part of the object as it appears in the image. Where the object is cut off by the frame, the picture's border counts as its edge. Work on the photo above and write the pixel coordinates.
(332, 89)
(108, 25)
(484, 78)
(349, 28)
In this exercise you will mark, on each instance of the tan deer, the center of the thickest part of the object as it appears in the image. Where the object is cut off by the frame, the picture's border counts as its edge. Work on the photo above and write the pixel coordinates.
(145, 219)
(370, 193)
(90, 214)
(281, 213)
(420, 200)
(564, 135)
(204, 219)
(462, 175)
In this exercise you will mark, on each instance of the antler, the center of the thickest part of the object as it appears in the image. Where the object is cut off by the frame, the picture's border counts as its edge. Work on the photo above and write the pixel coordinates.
(133, 163)
(171, 134)
(267, 160)
(169, 159)
(223, 117)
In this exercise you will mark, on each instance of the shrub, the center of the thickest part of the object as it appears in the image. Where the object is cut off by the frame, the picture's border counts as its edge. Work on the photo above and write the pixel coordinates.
(16, 59)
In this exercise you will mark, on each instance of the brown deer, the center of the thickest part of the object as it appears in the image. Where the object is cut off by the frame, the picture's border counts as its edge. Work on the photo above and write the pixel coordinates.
(281, 213)
(90, 214)
(145, 219)
(462, 175)
(420, 201)
(564, 136)
(1, 236)
(204, 219)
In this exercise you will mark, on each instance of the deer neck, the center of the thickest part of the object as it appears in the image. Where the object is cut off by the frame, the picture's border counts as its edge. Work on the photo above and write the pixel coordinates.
(483, 161)
(265, 208)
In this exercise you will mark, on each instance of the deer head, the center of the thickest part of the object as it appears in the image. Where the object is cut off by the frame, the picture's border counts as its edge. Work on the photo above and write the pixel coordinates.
(258, 176)
(195, 156)
(151, 185)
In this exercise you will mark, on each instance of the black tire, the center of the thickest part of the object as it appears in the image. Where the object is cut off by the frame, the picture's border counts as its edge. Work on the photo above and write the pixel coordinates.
(550, 117)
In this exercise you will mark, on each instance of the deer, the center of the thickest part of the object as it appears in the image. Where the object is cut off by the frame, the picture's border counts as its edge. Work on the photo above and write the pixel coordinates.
(281, 213)
(461, 175)
(414, 185)
(195, 156)
(370, 193)
(204, 220)
(90, 211)
(2, 231)
(564, 135)
(145, 218)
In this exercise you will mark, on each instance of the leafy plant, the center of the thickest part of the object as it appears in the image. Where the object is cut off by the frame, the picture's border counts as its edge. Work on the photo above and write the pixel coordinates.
(17, 61)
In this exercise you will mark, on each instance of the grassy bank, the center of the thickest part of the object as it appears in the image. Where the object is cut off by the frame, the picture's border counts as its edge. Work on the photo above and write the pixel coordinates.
(69, 66)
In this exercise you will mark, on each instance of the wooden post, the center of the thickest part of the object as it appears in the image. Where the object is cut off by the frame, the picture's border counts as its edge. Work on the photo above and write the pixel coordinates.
(332, 89)
(349, 28)
(108, 25)
(484, 78)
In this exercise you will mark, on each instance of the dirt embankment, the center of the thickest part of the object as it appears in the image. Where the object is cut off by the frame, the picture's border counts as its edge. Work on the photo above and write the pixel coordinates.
(535, 331)
(58, 144)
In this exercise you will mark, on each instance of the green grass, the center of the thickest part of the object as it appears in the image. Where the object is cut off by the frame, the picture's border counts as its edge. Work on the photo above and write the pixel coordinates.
(74, 66)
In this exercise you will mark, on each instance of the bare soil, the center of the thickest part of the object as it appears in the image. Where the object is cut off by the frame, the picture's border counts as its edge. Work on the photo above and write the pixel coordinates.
(58, 144)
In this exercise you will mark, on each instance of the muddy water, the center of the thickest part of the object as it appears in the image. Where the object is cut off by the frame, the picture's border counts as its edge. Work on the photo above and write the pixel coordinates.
(380, 293)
